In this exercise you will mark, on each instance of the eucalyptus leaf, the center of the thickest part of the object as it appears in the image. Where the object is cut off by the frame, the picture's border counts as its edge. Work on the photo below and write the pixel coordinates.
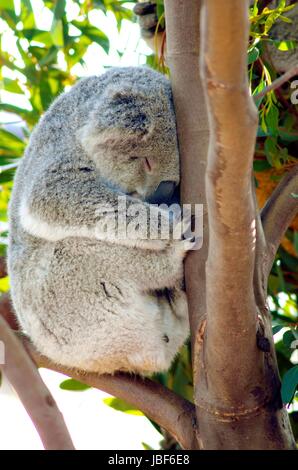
(289, 384)
(73, 385)
(121, 405)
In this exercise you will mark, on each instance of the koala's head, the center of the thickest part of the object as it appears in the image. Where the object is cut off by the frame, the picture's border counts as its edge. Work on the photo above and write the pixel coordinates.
(131, 136)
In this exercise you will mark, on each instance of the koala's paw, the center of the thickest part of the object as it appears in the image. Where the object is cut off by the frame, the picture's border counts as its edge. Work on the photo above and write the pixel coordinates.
(189, 244)
(146, 13)
(181, 247)
(182, 227)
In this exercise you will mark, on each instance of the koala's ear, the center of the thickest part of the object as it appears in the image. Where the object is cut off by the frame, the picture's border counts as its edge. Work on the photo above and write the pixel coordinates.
(127, 108)
(126, 95)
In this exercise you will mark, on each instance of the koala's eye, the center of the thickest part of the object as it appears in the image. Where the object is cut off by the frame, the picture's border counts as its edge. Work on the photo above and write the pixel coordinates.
(133, 159)
(148, 165)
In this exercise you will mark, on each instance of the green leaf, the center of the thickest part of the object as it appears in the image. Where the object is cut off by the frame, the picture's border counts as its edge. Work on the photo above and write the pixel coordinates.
(38, 35)
(50, 57)
(258, 90)
(285, 45)
(289, 384)
(12, 86)
(160, 10)
(121, 405)
(7, 176)
(181, 382)
(59, 9)
(93, 33)
(276, 329)
(27, 15)
(7, 13)
(287, 135)
(57, 25)
(272, 117)
(253, 55)
(288, 338)
(73, 385)
(57, 33)
(9, 140)
(285, 19)
(261, 165)
(7, 5)
(146, 446)
(289, 260)
(45, 92)
(271, 150)
(273, 284)
(28, 116)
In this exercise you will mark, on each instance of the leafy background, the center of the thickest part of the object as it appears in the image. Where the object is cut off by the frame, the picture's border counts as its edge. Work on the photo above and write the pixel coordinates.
(44, 64)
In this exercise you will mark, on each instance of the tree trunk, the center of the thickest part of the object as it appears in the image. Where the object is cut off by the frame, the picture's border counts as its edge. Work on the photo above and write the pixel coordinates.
(237, 387)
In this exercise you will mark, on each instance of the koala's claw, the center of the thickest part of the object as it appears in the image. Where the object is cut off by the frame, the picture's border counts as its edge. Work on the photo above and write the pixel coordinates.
(190, 244)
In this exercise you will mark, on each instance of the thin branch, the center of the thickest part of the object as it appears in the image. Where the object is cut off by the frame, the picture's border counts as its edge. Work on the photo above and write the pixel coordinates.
(36, 398)
(169, 410)
(278, 213)
(277, 83)
(260, 280)
(166, 408)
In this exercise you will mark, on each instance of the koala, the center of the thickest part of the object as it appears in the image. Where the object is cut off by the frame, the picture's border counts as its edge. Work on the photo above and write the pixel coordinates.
(86, 298)
(281, 60)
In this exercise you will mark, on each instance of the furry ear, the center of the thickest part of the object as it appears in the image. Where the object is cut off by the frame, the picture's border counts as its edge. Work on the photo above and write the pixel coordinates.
(126, 95)
(125, 108)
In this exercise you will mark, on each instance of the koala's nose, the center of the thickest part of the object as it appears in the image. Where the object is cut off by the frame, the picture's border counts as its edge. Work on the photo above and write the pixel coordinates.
(163, 193)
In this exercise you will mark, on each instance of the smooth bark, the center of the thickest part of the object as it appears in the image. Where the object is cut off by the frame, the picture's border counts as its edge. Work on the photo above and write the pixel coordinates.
(34, 395)
(238, 399)
(183, 47)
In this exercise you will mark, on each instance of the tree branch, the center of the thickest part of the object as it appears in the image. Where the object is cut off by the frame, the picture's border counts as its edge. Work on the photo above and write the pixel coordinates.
(232, 215)
(166, 408)
(278, 213)
(32, 392)
(177, 416)
(277, 83)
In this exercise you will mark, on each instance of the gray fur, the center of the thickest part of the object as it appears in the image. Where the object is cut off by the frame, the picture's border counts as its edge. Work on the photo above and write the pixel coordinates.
(87, 301)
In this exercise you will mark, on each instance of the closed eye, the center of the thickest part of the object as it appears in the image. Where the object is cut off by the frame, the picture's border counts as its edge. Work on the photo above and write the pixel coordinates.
(148, 166)
(147, 162)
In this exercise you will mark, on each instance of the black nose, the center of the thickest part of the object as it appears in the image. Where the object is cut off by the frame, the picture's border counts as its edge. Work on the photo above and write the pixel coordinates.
(163, 193)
